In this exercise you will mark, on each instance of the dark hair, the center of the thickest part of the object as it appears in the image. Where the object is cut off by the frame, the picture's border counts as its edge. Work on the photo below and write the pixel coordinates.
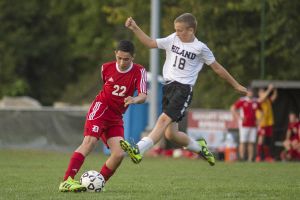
(126, 46)
(188, 19)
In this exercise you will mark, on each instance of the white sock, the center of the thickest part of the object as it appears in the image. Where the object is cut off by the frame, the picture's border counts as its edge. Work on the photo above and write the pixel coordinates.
(193, 146)
(145, 144)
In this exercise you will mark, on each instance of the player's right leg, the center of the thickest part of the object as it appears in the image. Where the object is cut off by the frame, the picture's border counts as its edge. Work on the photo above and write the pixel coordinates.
(116, 153)
(136, 151)
(70, 185)
(132, 151)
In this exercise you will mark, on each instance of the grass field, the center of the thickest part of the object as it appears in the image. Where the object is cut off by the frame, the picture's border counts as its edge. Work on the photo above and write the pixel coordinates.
(36, 175)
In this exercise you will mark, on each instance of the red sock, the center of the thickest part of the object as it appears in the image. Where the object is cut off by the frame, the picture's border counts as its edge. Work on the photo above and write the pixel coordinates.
(75, 163)
(266, 151)
(106, 172)
(259, 150)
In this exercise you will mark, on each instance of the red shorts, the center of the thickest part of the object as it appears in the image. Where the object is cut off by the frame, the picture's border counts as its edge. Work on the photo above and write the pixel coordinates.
(266, 131)
(101, 122)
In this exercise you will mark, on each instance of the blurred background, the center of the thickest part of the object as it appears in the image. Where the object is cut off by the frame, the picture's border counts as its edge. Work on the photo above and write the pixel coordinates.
(51, 52)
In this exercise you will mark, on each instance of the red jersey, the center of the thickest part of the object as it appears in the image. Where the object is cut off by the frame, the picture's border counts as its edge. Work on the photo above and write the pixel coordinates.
(248, 108)
(117, 85)
(104, 118)
(294, 128)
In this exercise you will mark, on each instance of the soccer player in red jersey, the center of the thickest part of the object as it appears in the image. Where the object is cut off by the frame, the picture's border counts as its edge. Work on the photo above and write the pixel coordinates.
(292, 140)
(247, 116)
(121, 78)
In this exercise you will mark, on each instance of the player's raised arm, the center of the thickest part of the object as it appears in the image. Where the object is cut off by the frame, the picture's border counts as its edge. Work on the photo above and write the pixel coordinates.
(265, 93)
(223, 73)
(143, 37)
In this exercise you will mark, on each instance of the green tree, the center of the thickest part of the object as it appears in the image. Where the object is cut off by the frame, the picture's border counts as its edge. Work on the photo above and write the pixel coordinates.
(51, 50)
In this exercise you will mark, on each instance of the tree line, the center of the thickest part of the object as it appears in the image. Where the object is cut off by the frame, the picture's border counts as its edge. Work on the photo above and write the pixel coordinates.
(52, 50)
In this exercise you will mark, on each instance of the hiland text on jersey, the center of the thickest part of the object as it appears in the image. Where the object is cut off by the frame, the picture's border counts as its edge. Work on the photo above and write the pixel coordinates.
(183, 53)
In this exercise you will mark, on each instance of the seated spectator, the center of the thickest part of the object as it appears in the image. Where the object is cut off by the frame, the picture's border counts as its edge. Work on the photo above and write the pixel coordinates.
(292, 141)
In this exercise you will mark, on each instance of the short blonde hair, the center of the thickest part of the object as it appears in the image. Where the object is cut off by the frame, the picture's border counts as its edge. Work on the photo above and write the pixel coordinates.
(188, 19)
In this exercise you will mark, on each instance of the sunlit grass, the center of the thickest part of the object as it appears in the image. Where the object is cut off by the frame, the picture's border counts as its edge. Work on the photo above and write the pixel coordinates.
(36, 175)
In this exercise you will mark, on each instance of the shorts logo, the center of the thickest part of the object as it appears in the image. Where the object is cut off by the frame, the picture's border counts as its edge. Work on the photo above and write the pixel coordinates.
(95, 129)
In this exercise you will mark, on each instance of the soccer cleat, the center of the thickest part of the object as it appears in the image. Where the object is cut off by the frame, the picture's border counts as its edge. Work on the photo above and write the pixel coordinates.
(205, 153)
(133, 152)
(70, 185)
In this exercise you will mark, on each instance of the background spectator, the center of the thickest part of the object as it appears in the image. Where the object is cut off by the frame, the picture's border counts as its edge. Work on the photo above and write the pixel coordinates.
(266, 121)
(292, 140)
(248, 128)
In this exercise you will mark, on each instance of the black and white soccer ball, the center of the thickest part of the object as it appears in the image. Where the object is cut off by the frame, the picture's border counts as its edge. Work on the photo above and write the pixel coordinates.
(93, 181)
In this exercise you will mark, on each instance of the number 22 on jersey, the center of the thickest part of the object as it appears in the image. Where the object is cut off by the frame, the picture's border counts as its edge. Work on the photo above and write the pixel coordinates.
(119, 90)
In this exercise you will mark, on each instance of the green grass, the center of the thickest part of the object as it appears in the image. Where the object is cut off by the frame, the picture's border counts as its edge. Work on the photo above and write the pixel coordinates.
(36, 175)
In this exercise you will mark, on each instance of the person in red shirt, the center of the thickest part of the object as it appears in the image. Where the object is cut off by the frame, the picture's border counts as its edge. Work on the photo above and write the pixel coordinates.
(292, 140)
(247, 118)
(121, 78)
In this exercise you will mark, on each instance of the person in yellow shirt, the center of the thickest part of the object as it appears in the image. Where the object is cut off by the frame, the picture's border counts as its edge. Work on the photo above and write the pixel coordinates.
(266, 121)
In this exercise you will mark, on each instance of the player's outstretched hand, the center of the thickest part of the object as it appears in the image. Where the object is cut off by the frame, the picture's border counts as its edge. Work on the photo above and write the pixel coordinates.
(130, 23)
(128, 100)
(242, 90)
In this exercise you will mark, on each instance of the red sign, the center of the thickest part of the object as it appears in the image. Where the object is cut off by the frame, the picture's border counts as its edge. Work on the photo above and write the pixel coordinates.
(211, 120)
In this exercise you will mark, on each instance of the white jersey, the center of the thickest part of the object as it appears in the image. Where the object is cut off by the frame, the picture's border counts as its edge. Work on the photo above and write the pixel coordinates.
(184, 60)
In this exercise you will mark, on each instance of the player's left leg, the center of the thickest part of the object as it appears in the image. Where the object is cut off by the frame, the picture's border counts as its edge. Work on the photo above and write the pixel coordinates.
(115, 158)
(243, 140)
(250, 149)
(173, 134)
(266, 148)
(259, 146)
(267, 143)
(252, 134)
(242, 150)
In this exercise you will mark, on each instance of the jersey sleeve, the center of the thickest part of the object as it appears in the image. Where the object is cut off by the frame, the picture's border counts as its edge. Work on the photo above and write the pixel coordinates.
(103, 74)
(238, 104)
(141, 83)
(164, 43)
(207, 55)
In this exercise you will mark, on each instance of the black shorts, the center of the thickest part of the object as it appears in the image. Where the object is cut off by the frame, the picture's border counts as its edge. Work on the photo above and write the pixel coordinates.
(176, 99)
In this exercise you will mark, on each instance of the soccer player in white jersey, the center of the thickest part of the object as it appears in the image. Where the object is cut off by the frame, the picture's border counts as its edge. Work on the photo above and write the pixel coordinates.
(185, 56)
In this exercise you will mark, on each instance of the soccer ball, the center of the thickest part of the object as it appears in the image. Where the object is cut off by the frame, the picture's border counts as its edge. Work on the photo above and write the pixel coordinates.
(177, 153)
(93, 181)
